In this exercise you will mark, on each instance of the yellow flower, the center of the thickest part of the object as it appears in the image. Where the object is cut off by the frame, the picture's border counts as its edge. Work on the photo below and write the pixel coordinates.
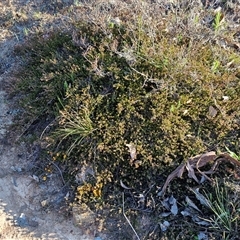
(97, 190)
(44, 178)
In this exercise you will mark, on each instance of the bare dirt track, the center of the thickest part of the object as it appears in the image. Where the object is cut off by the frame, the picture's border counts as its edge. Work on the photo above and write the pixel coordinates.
(22, 214)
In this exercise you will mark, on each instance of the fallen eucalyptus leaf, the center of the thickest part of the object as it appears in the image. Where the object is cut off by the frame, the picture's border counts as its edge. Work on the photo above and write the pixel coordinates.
(189, 211)
(172, 200)
(186, 212)
(203, 179)
(174, 207)
(202, 236)
(164, 225)
(165, 214)
(165, 203)
(192, 204)
(212, 111)
(201, 198)
(191, 172)
(202, 222)
(195, 162)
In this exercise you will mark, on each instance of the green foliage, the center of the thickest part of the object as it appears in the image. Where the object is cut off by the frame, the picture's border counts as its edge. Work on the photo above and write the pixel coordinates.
(233, 154)
(119, 85)
(224, 206)
(50, 70)
(75, 126)
(217, 20)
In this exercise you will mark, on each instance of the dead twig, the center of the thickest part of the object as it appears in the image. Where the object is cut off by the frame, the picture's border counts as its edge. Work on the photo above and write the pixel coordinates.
(128, 219)
(201, 160)
(64, 183)
(196, 163)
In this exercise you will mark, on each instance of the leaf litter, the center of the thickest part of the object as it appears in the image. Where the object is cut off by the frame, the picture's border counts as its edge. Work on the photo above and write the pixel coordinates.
(193, 165)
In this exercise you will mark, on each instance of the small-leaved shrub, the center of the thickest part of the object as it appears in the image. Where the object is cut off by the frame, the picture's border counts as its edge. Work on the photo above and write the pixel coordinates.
(119, 83)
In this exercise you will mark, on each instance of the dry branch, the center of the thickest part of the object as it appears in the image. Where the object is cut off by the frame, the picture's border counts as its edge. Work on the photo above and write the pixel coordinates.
(197, 162)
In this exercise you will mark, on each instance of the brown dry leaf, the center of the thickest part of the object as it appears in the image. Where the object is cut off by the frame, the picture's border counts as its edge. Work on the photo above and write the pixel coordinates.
(193, 163)
(191, 172)
(192, 204)
(224, 157)
(181, 170)
(203, 200)
(212, 111)
(132, 151)
(198, 162)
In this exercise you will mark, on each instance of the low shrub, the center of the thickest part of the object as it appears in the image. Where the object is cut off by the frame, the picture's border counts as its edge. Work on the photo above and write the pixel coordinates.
(117, 84)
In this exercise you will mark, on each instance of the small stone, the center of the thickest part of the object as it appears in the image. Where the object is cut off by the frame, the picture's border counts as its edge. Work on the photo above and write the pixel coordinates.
(225, 98)
(36, 178)
(44, 203)
(16, 169)
(22, 220)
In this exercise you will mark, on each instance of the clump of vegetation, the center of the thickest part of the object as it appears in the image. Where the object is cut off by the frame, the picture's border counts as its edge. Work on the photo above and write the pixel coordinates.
(223, 207)
(111, 83)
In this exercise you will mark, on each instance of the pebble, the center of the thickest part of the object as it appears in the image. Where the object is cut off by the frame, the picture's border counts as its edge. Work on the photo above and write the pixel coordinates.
(44, 203)
(16, 169)
(23, 221)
